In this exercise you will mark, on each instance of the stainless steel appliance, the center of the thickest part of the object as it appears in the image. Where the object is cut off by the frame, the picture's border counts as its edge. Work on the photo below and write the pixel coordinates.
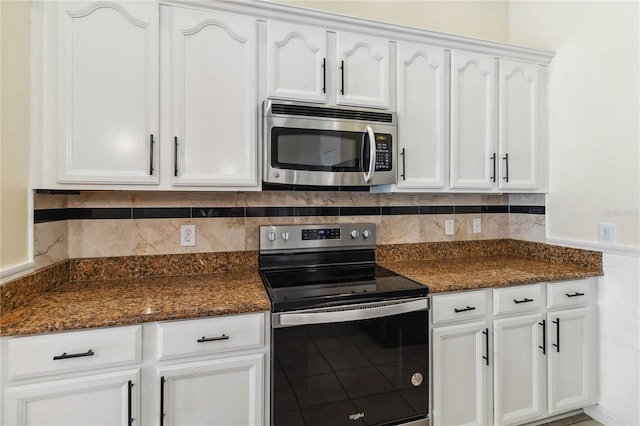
(349, 338)
(308, 144)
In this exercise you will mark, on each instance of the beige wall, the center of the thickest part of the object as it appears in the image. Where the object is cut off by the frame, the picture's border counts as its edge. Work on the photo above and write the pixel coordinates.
(14, 152)
(594, 109)
(478, 19)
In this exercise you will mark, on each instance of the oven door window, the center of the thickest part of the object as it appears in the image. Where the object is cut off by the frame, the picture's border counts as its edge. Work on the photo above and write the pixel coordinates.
(319, 150)
(367, 372)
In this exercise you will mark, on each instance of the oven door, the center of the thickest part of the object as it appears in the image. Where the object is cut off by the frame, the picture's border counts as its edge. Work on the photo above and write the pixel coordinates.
(365, 364)
(306, 151)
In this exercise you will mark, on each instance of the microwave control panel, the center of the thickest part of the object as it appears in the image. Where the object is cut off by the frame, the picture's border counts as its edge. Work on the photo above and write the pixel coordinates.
(383, 153)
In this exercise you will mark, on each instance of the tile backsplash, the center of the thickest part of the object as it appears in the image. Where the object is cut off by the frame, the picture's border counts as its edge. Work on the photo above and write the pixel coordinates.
(119, 223)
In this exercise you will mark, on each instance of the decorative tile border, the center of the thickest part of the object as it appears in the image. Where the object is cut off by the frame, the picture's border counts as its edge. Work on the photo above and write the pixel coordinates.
(52, 215)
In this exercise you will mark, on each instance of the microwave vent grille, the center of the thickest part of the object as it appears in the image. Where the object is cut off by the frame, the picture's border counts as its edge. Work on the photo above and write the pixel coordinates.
(347, 114)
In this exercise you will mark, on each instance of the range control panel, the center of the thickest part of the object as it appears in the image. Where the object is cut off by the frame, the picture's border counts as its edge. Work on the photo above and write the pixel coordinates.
(317, 237)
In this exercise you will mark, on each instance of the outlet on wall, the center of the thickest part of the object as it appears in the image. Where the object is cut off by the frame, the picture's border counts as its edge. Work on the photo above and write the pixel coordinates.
(187, 235)
(448, 227)
(477, 225)
(607, 232)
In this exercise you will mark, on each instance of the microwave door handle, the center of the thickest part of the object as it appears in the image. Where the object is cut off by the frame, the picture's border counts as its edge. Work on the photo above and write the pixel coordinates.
(372, 155)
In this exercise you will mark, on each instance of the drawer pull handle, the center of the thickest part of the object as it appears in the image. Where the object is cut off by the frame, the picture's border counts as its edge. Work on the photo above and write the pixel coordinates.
(67, 356)
(468, 308)
(525, 300)
(576, 294)
(213, 339)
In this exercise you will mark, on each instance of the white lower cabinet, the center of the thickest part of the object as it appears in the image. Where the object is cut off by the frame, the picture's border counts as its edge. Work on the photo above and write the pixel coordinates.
(146, 374)
(461, 375)
(102, 399)
(519, 369)
(542, 341)
(223, 392)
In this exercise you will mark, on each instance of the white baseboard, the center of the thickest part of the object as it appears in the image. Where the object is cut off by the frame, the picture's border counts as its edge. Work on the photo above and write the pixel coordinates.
(14, 272)
(607, 419)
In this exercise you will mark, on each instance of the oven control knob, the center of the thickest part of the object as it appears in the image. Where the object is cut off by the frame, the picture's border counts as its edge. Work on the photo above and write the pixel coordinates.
(285, 236)
(355, 233)
(366, 233)
(271, 236)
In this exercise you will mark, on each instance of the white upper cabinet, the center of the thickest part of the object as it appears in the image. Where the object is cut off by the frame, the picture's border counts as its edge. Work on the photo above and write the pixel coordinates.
(297, 62)
(422, 89)
(213, 98)
(521, 91)
(473, 156)
(108, 92)
(362, 71)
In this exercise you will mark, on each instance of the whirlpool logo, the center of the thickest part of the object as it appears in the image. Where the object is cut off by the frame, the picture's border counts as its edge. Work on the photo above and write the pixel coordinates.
(356, 416)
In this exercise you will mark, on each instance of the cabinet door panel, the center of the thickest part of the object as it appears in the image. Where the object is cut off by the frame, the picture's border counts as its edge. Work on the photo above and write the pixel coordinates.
(84, 401)
(108, 70)
(296, 62)
(365, 70)
(572, 366)
(224, 392)
(213, 86)
(421, 116)
(472, 120)
(518, 133)
(519, 370)
(461, 377)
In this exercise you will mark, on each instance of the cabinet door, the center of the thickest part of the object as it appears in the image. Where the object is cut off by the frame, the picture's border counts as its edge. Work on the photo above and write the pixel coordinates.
(108, 87)
(461, 375)
(362, 70)
(572, 363)
(421, 116)
(224, 392)
(106, 399)
(519, 369)
(473, 154)
(520, 89)
(213, 99)
(297, 62)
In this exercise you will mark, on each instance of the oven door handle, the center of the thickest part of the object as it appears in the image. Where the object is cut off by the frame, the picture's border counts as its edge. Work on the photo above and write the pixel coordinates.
(372, 153)
(348, 313)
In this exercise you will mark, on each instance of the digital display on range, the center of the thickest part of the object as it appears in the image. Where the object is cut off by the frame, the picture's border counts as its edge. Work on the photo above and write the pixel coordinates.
(321, 234)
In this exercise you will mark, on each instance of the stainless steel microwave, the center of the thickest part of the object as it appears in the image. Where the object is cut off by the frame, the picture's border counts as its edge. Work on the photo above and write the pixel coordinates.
(309, 144)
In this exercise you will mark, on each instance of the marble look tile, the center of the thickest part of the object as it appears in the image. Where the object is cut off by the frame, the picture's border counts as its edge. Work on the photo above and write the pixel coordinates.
(316, 198)
(376, 220)
(399, 229)
(355, 199)
(98, 238)
(270, 199)
(315, 220)
(528, 227)
(400, 199)
(220, 234)
(432, 228)
(99, 199)
(158, 236)
(527, 199)
(188, 199)
(50, 201)
(50, 243)
(470, 199)
(498, 200)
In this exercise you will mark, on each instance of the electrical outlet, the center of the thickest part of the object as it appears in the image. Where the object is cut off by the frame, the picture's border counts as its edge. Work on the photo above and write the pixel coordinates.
(477, 225)
(607, 232)
(448, 227)
(187, 235)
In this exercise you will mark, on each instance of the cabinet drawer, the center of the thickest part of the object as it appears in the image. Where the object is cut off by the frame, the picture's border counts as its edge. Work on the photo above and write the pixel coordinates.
(523, 298)
(73, 351)
(463, 306)
(570, 293)
(211, 335)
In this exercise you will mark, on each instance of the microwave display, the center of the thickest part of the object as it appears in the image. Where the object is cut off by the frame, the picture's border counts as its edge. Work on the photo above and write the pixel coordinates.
(327, 150)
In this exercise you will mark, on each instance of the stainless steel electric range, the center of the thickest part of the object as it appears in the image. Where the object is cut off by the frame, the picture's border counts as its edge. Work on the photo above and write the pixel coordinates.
(349, 338)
